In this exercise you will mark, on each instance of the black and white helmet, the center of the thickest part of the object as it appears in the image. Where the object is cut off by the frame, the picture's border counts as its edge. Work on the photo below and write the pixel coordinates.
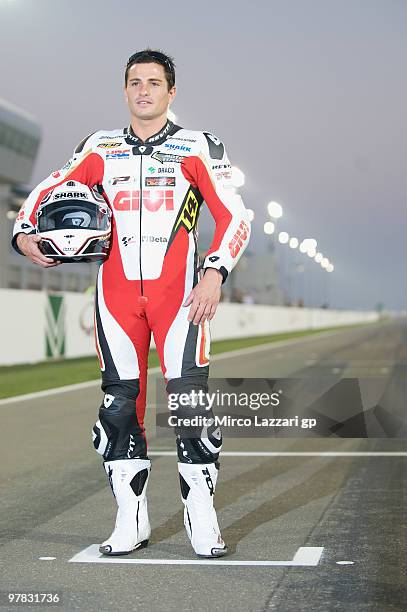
(74, 223)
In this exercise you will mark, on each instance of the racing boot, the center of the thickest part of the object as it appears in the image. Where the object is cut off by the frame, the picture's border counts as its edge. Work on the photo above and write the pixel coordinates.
(128, 479)
(198, 483)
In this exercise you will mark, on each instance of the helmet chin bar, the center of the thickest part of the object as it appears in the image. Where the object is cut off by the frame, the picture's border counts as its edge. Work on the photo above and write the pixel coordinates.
(93, 249)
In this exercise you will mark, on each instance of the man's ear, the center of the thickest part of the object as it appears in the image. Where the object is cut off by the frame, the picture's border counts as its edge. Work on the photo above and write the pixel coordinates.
(172, 93)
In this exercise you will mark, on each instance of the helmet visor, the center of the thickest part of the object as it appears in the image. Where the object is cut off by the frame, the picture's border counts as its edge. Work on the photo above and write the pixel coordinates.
(73, 214)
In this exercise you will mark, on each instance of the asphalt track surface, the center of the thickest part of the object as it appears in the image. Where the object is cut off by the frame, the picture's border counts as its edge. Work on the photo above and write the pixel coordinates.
(307, 513)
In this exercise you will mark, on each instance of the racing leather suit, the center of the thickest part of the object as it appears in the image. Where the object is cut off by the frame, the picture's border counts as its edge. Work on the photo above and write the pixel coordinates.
(155, 189)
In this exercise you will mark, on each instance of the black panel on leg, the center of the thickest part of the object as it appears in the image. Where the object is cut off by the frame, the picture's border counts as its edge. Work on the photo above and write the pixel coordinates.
(138, 482)
(185, 488)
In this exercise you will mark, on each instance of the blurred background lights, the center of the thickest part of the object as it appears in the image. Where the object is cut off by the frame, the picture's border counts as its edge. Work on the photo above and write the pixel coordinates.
(283, 237)
(275, 210)
(269, 227)
(250, 213)
(310, 243)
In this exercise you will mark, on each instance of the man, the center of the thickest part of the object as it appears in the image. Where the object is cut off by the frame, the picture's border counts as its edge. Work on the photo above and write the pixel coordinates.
(155, 175)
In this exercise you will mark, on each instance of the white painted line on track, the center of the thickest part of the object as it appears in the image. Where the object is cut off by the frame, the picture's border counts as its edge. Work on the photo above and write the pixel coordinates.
(308, 556)
(94, 383)
(47, 392)
(345, 563)
(293, 453)
(57, 390)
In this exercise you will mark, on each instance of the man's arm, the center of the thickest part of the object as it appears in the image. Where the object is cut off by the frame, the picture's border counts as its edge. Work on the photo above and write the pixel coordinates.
(86, 167)
(211, 174)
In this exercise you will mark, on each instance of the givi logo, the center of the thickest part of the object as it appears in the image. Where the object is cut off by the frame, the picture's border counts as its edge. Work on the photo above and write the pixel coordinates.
(151, 200)
(238, 239)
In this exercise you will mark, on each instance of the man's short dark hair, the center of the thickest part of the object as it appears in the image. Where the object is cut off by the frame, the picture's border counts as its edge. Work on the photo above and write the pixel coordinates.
(153, 56)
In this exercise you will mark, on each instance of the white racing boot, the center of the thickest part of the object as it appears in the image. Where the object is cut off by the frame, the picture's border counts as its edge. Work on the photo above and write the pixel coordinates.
(198, 483)
(128, 479)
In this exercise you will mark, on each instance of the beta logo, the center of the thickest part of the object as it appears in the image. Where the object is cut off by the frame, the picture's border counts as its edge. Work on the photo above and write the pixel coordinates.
(239, 239)
(152, 201)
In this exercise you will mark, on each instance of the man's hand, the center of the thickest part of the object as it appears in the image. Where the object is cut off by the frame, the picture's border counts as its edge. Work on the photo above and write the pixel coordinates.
(204, 297)
(28, 244)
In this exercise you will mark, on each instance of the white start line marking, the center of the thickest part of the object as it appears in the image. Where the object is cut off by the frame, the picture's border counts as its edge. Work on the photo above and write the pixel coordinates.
(306, 556)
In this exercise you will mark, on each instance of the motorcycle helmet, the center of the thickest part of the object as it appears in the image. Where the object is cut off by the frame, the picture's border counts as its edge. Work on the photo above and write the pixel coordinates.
(74, 223)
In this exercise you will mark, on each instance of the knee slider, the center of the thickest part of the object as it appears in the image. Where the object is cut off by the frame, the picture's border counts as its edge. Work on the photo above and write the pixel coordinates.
(118, 434)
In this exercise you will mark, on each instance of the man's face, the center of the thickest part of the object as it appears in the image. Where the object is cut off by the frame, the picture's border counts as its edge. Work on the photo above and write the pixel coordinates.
(147, 92)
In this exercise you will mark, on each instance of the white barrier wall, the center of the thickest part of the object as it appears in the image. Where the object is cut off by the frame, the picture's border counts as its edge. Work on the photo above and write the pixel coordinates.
(22, 326)
(35, 325)
(239, 320)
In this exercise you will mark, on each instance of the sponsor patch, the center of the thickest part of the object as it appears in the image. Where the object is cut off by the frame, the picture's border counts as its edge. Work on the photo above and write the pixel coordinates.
(221, 167)
(182, 139)
(65, 195)
(167, 157)
(21, 213)
(109, 145)
(119, 180)
(160, 181)
(126, 240)
(67, 165)
(124, 154)
(145, 238)
(130, 200)
(189, 213)
(238, 239)
(227, 174)
(175, 147)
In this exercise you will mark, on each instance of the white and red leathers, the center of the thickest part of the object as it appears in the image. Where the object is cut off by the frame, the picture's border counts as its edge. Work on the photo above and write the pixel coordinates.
(155, 190)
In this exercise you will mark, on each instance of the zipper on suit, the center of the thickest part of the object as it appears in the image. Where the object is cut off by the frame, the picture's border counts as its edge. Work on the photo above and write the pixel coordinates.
(141, 212)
